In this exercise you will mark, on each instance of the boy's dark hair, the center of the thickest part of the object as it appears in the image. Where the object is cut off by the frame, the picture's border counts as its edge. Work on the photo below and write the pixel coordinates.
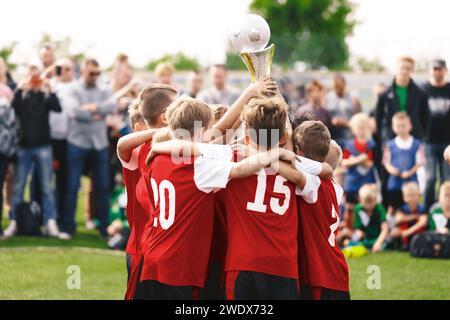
(154, 100)
(298, 118)
(313, 139)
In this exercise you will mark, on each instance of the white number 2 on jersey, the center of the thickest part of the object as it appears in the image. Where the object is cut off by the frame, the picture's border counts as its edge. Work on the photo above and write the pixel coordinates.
(159, 195)
(333, 227)
(279, 187)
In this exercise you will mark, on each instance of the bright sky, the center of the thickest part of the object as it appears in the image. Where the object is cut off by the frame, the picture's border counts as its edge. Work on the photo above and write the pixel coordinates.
(146, 29)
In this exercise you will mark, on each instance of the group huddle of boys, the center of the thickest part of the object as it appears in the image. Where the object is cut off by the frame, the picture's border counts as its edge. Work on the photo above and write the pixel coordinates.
(210, 220)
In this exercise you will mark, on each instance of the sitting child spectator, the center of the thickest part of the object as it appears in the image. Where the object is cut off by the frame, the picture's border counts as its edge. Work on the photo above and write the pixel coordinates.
(358, 159)
(402, 157)
(370, 226)
(439, 219)
(411, 218)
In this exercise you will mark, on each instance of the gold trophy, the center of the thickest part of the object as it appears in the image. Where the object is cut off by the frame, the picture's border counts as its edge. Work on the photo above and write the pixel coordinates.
(250, 39)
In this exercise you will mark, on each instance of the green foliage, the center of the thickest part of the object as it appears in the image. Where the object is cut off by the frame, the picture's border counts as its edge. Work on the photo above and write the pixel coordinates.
(179, 60)
(367, 65)
(61, 46)
(6, 53)
(234, 61)
(313, 31)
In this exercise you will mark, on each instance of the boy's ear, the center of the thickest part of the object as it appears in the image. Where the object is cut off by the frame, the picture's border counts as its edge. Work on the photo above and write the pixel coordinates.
(246, 139)
(297, 150)
(283, 139)
(163, 119)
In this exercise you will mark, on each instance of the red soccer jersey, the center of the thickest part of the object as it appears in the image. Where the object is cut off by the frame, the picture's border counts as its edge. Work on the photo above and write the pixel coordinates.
(262, 225)
(178, 249)
(219, 239)
(137, 209)
(321, 261)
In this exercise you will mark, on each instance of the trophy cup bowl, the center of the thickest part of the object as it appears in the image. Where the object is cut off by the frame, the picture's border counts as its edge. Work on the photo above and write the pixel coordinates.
(251, 38)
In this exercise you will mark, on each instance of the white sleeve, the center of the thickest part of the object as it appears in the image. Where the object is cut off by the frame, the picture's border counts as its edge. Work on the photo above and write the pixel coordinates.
(210, 174)
(308, 166)
(215, 151)
(339, 192)
(311, 189)
(133, 163)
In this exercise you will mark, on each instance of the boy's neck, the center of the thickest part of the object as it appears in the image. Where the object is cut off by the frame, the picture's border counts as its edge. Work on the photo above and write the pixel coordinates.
(157, 126)
(404, 137)
(361, 140)
(446, 212)
(413, 206)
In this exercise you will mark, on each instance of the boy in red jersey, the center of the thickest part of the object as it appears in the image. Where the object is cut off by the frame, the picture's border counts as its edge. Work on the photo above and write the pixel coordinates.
(323, 269)
(177, 251)
(132, 151)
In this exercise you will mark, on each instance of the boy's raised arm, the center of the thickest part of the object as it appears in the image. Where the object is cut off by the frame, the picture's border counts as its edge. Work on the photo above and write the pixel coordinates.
(128, 143)
(267, 87)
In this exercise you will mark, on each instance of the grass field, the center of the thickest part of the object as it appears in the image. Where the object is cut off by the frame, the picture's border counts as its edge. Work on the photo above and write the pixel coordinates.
(36, 268)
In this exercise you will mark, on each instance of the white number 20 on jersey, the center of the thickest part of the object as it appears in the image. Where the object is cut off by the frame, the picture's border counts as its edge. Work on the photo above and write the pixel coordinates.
(279, 187)
(159, 195)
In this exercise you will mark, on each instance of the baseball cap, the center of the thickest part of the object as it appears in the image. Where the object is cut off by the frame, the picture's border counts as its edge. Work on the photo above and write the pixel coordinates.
(438, 64)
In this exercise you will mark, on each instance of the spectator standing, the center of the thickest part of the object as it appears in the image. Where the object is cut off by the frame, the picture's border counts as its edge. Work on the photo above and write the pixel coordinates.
(195, 84)
(402, 95)
(7, 134)
(220, 92)
(122, 73)
(32, 104)
(59, 126)
(342, 106)
(358, 156)
(315, 106)
(88, 145)
(438, 131)
(5, 75)
(48, 59)
(402, 157)
(5, 89)
(164, 72)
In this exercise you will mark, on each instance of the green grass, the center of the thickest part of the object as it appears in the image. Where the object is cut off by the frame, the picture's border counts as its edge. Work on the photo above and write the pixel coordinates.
(41, 273)
(402, 277)
(35, 268)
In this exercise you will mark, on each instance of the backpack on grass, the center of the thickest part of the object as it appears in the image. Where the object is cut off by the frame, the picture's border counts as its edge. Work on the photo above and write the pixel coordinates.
(430, 245)
(29, 219)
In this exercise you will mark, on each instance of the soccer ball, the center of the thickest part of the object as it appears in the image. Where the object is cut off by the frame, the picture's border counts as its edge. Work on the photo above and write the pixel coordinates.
(252, 34)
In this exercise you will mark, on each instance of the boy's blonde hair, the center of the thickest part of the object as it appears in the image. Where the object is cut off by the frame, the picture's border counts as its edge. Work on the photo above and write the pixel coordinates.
(134, 114)
(162, 135)
(334, 156)
(445, 187)
(219, 110)
(401, 115)
(164, 67)
(368, 191)
(266, 120)
(313, 139)
(410, 187)
(154, 100)
(360, 118)
(184, 112)
(407, 59)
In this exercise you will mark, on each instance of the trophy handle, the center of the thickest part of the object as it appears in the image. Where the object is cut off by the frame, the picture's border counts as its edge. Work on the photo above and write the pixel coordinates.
(259, 63)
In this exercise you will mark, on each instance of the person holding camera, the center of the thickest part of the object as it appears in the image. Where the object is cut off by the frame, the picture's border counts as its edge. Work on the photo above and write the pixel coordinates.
(32, 104)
